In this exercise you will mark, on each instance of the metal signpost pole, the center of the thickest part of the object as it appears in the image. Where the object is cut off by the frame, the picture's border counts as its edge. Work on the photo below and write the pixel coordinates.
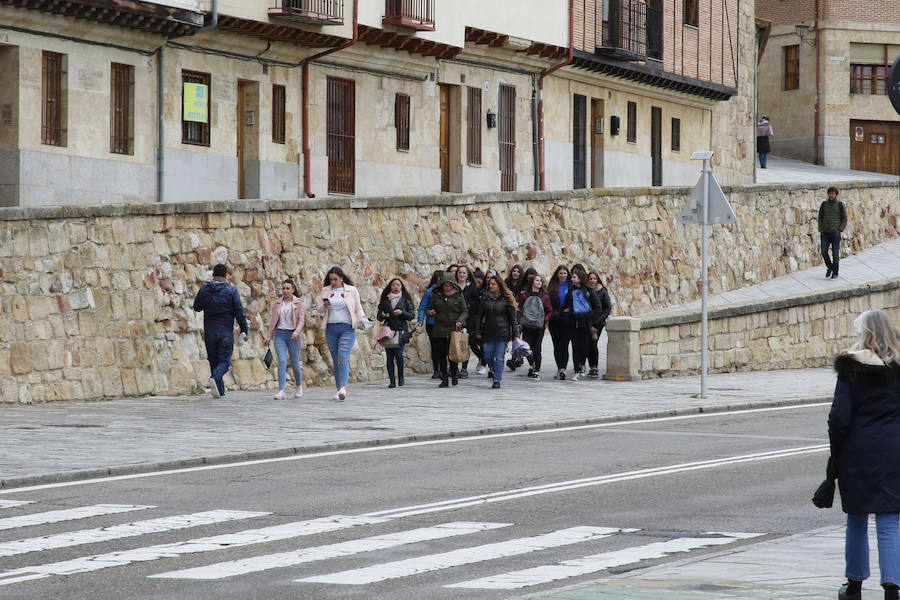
(704, 270)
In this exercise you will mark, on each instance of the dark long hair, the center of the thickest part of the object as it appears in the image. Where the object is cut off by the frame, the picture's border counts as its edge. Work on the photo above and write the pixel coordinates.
(505, 292)
(337, 271)
(387, 290)
(509, 280)
(597, 275)
(436, 277)
(582, 276)
(553, 284)
(293, 285)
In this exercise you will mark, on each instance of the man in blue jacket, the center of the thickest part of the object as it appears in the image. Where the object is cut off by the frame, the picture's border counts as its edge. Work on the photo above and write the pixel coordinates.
(221, 305)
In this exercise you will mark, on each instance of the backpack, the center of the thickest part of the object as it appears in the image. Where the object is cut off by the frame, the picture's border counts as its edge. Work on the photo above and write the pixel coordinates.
(533, 312)
(580, 303)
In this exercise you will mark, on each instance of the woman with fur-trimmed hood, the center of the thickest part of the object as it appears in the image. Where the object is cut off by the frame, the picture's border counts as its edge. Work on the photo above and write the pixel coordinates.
(448, 307)
(864, 431)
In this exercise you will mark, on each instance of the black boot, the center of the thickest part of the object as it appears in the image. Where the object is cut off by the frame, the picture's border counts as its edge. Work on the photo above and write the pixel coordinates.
(890, 591)
(852, 590)
(400, 379)
(392, 384)
(454, 379)
(444, 382)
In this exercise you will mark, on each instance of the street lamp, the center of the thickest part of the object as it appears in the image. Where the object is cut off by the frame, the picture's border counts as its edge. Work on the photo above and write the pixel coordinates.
(802, 30)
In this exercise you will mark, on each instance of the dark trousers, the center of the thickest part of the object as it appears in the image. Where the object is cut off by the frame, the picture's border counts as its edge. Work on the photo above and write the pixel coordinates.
(429, 330)
(477, 348)
(219, 346)
(559, 333)
(831, 240)
(441, 348)
(394, 355)
(594, 350)
(581, 343)
(534, 336)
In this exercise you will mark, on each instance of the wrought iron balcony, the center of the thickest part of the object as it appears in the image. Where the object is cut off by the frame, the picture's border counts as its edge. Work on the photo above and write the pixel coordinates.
(626, 36)
(320, 12)
(415, 14)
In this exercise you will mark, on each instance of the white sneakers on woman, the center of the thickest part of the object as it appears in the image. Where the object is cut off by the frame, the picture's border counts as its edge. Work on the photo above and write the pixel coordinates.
(279, 395)
(298, 393)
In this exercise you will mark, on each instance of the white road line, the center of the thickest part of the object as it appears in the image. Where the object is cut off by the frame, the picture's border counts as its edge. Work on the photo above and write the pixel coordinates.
(307, 555)
(597, 562)
(12, 503)
(463, 556)
(560, 486)
(68, 514)
(115, 532)
(402, 446)
(87, 564)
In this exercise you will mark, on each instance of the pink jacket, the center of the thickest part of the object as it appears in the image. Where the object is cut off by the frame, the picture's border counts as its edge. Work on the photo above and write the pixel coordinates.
(351, 297)
(297, 312)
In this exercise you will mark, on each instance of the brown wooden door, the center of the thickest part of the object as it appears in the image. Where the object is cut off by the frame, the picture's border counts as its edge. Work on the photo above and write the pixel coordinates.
(239, 126)
(875, 146)
(341, 135)
(597, 127)
(507, 135)
(445, 137)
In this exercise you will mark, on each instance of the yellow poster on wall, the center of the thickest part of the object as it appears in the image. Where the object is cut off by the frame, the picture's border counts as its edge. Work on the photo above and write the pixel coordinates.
(196, 102)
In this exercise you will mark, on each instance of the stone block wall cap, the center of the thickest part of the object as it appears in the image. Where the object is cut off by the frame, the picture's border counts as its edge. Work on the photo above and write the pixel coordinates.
(623, 324)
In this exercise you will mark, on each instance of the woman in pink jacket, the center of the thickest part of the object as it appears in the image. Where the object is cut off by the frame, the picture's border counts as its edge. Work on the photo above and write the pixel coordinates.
(342, 312)
(286, 327)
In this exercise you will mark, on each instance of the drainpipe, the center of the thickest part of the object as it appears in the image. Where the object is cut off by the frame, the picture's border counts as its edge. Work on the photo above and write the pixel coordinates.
(816, 112)
(534, 133)
(160, 103)
(305, 95)
(540, 109)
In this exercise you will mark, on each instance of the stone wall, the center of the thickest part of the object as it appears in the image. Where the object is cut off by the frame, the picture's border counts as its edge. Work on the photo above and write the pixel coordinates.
(96, 300)
(793, 332)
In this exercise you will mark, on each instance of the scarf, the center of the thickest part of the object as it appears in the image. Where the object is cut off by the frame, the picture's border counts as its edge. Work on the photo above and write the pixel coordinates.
(394, 298)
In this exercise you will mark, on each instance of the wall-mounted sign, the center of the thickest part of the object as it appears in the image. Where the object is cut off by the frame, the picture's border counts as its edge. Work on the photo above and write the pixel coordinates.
(836, 58)
(4, 37)
(196, 102)
(598, 124)
(249, 118)
(6, 114)
(859, 135)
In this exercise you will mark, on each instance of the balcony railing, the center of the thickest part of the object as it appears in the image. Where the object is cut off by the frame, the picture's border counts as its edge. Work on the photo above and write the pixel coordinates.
(627, 34)
(415, 14)
(320, 12)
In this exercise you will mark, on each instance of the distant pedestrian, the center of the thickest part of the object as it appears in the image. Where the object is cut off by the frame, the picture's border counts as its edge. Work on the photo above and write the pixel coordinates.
(832, 222)
(864, 432)
(473, 293)
(496, 324)
(515, 280)
(583, 308)
(535, 311)
(395, 308)
(286, 327)
(596, 284)
(428, 321)
(448, 307)
(464, 280)
(342, 312)
(763, 131)
(558, 325)
(221, 306)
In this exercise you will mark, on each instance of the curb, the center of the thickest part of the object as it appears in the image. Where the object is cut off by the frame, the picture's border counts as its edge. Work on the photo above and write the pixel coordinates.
(221, 459)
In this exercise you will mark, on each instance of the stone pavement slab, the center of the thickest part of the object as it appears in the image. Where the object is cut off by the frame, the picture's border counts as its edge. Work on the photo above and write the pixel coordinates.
(786, 170)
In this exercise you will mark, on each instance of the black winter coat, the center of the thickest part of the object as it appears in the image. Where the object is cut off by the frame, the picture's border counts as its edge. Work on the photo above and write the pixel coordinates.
(864, 431)
(590, 319)
(396, 322)
(472, 293)
(496, 320)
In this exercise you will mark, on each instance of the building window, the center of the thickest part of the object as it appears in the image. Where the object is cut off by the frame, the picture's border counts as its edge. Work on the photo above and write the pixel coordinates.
(121, 109)
(340, 135)
(196, 108)
(631, 126)
(579, 149)
(278, 103)
(792, 67)
(473, 127)
(676, 135)
(53, 99)
(401, 120)
(691, 13)
(868, 79)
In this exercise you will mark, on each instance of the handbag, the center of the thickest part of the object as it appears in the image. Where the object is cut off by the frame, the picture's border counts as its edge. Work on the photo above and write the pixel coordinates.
(268, 358)
(459, 346)
(391, 342)
(384, 333)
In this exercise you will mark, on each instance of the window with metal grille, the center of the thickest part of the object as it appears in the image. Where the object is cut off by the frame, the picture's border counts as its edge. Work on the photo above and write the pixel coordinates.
(868, 79)
(792, 67)
(278, 100)
(53, 99)
(401, 120)
(676, 135)
(473, 127)
(579, 150)
(507, 137)
(341, 135)
(631, 126)
(196, 132)
(691, 13)
(121, 109)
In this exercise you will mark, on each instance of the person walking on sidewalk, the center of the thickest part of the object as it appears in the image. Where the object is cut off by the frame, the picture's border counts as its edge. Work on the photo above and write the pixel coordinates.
(763, 131)
(472, 293)
(221, 306)
(535, 311)
(286, 327)
(342, 309)
(582, 305)
(864, 433)
(515, 280)
(396, 308)
(832, 222)
(496, 325)
(448, 307)
(464, 280)
(428, 321)
(558, 325)
(596, 284)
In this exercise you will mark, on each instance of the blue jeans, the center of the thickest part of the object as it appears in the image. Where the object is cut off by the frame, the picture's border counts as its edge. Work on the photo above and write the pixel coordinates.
(285, 346)
(762, 159)
(494, 353)
(856, 549)
(219, 346)
(831, 240)
(394, 355)
(340, 338)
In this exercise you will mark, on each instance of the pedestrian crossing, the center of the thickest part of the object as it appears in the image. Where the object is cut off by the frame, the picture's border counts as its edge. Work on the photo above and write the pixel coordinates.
(476, 543)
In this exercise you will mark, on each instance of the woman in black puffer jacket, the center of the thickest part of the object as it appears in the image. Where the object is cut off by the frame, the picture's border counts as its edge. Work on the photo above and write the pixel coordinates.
(496, 324)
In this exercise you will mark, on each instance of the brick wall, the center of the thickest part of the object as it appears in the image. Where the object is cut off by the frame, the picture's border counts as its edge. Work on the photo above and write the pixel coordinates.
(786, 12)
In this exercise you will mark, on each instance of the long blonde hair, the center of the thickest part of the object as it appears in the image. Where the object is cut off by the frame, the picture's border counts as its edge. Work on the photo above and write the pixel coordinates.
(877, 333)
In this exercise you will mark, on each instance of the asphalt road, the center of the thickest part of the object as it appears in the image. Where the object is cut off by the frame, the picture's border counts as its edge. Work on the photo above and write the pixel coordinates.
(493, 517)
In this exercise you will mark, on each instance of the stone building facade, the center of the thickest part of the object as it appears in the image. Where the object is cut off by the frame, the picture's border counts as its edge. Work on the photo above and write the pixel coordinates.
(843, 62)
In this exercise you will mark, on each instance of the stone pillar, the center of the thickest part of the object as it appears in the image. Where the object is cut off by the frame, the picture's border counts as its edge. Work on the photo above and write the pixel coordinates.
(623, 349)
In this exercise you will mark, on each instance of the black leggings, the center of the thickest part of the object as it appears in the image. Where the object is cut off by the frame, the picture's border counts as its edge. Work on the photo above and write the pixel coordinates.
(559, 333)
(429, 330)
(441, 348)
(581, 343)
(534, 336)
(594, 350)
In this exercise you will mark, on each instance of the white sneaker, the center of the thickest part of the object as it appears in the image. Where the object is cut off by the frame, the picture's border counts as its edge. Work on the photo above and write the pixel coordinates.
(536, 376)
(342, 393)
(575, 376)
(213, 388)
(481, 369)
(298, 393)
(336, 396)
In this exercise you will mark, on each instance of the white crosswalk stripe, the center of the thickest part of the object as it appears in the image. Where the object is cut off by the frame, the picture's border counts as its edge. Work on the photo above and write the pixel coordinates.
(12, 503)
(596, 562)
(464, 556)
(68, 514)
(307, 555)
(115, 532)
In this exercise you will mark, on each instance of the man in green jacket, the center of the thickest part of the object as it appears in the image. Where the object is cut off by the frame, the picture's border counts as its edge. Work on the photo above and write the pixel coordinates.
(832, 221)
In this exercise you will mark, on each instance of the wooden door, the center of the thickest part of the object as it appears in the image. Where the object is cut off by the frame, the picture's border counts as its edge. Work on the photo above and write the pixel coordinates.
(444, 143)
(656, 144)
(875, 146)
(239, 127)
(341, 135)
(597, 126)
(507, 135)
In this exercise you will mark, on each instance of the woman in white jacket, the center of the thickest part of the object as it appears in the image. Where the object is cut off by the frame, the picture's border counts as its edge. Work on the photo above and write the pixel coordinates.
(286, 327)
(342, 312)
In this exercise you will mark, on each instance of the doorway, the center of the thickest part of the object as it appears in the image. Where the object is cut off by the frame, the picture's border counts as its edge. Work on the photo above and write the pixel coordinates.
(875, 146)
(656, 144)
(596, 142)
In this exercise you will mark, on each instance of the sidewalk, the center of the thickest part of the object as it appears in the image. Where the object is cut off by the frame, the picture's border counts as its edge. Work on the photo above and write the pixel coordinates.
(786, 170)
